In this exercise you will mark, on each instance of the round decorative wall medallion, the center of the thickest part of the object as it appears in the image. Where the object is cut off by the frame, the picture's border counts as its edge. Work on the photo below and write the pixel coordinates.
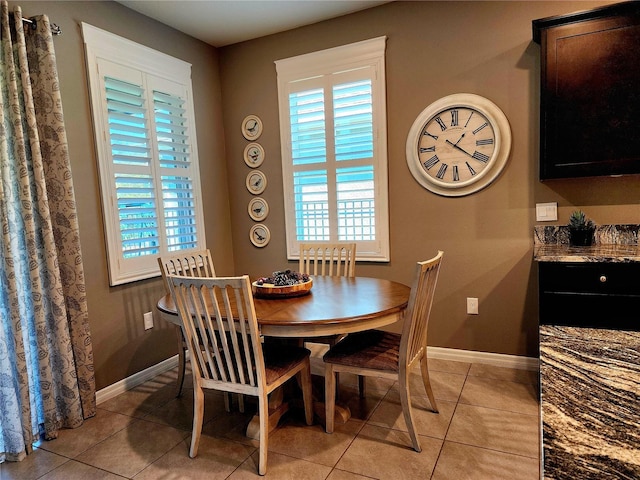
(258, 209)
(253, 155)
(256, 182)
(251, 127)
(259, 235)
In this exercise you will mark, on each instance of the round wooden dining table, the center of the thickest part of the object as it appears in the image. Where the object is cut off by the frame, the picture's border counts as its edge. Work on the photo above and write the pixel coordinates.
(334, 305)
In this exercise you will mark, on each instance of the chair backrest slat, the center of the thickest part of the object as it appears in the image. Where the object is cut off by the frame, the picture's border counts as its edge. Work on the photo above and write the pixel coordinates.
(187, 264)
(238, 354)
(190, 300)
(221, 329)
(243, 347)
(416, 320)
(221, 347)
(328, 259)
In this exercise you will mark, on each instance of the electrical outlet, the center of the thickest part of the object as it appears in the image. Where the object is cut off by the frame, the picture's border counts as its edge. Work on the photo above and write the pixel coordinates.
(148, 320)
(472, 306)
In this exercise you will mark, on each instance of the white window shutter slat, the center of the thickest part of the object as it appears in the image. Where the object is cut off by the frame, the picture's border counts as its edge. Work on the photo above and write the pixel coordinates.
(308, 130)
(353, 119)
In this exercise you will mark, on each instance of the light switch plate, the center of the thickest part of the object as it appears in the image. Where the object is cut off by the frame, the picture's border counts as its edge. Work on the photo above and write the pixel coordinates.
(148, 320)
(546, 212)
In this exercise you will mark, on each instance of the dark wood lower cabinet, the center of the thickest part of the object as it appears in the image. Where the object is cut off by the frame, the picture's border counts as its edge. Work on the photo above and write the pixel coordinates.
(598, 295)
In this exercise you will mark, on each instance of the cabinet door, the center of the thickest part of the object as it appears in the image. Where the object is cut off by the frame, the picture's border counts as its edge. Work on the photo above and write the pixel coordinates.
(594, 295)
(590, 97)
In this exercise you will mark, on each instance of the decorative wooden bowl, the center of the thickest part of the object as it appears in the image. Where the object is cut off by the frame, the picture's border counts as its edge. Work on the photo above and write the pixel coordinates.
(267, 290)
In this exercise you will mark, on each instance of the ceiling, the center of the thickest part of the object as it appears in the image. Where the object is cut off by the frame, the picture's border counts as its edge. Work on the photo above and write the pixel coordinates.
(223, 22)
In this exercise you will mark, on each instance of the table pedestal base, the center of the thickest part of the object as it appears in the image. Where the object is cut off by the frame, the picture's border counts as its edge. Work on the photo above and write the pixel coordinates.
(278, 407)
(341, 416)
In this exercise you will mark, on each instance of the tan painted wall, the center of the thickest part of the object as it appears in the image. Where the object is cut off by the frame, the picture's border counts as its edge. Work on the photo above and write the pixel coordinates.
(121, 345)
(433, 49)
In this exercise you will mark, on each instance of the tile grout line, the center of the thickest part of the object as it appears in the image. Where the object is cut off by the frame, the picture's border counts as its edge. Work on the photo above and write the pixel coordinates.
(364, 423)
(444, 438)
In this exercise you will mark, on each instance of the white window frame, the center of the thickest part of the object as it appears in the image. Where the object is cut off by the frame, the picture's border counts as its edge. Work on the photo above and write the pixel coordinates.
(155, 68)
(297, 70)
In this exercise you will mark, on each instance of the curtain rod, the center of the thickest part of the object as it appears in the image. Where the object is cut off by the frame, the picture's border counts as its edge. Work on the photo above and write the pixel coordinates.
(55, 29)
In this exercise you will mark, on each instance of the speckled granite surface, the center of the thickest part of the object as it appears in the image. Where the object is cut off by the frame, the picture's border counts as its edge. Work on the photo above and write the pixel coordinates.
(604, 235)
(594, 253)
(613, 243)
(590, 402)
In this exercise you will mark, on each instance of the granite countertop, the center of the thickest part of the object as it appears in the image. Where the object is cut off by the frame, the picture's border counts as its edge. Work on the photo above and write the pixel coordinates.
(589, 399)
(613, 243)
(595, 253)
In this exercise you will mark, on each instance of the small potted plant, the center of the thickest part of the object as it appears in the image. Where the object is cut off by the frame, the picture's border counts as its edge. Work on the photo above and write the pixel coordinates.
(581, 229)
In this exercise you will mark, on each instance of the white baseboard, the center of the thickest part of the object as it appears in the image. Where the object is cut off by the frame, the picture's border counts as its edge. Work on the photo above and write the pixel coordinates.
(469, 356)
(136, 379)
(497, 359)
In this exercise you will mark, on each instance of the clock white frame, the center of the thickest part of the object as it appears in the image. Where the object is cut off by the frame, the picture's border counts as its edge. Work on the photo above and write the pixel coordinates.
(251, 187)
(249, 134)
(251, 207)
(496, 163)
(267, 235)
(248, 160)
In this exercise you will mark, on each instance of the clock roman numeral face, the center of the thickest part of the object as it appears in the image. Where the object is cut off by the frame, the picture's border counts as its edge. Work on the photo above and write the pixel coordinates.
(456, 145)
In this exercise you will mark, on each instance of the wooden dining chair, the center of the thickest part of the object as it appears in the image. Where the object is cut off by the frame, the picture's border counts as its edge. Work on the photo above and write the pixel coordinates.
(390, 355)
(221, 330)
(332, 259)
(189, 264)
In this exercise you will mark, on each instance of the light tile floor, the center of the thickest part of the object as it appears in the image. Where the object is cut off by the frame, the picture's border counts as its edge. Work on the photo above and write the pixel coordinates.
(487, 428)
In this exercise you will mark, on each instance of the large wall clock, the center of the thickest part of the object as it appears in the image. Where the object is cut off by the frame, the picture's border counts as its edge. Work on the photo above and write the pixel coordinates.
(458, 145)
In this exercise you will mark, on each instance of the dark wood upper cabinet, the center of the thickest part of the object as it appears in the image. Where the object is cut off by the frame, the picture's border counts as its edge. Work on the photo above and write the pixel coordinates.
(590, 92)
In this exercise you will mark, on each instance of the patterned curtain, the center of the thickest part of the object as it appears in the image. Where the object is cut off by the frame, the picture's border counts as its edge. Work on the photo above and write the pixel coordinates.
(46, 357)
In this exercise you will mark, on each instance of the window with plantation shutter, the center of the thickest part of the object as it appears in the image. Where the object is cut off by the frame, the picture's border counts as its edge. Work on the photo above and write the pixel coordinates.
(334, 158)
(145, 137)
